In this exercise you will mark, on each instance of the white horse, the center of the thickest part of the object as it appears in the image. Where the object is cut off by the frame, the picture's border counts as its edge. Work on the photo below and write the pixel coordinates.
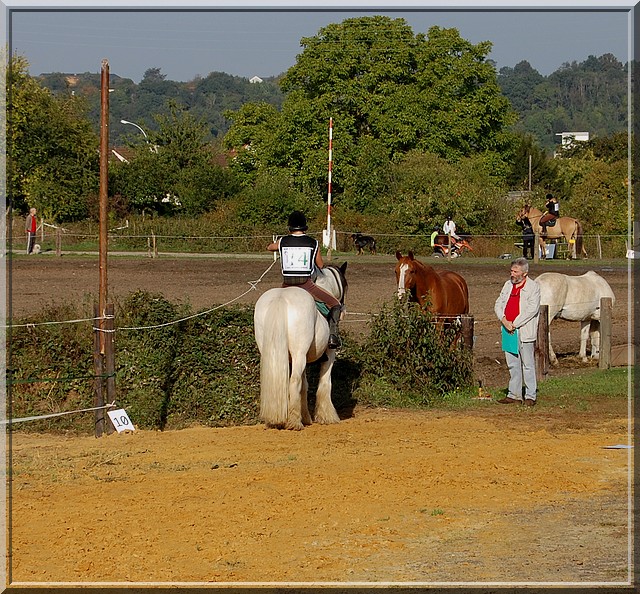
(291, 332)
(575, 298)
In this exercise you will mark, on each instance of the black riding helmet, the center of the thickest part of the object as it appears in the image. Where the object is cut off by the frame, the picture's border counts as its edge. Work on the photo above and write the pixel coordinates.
(297, 221)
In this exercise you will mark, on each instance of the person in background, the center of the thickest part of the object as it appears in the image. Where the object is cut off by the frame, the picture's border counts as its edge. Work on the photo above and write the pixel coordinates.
(299, 257)
(528, 237)
(553, 212)
(449, 228)
(517, 307)
(31, 226)
(434, 234)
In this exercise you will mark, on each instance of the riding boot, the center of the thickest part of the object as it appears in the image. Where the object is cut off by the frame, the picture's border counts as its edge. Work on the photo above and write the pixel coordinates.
(334, 318)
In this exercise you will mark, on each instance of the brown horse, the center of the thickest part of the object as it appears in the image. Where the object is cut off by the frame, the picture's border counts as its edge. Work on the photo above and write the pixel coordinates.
(570, 228)
(446, 291)
(458, 246)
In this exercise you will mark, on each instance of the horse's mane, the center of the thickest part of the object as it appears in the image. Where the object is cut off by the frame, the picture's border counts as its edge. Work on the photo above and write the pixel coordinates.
(340, 273)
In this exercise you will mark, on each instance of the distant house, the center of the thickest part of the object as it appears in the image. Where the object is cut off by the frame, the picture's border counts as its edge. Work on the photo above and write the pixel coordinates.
(255, 79)
(567, 139)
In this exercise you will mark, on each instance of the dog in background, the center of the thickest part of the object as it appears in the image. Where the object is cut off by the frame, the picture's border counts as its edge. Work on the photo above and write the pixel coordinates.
(364, 241)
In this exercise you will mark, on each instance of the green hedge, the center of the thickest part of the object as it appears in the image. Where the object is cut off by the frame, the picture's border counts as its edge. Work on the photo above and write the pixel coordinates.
(176, 368)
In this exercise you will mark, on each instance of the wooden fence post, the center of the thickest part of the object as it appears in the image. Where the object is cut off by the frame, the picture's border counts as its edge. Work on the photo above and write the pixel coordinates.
(151, 244)
(536, 249)
(98, 398)
(606, 306)
(467, 331)
(599, 243)
(58, 242)
(542, 344)
(109, 361)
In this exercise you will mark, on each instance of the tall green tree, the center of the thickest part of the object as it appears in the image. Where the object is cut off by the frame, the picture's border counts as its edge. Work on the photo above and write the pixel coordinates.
(174, 169)
(384, 87)
(52, 151)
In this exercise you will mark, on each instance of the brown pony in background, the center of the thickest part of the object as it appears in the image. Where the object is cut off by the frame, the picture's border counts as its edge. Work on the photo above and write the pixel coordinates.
(445, 291)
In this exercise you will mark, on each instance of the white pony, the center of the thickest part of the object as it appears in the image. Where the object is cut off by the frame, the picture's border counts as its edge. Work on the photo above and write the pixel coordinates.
(575, 298)
(291, 332)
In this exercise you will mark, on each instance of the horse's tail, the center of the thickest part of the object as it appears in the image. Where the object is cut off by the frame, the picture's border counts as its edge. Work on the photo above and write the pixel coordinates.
(274, 366)
(579, 240)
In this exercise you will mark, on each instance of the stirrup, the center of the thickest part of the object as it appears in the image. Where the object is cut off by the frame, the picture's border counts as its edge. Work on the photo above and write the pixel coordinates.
(334, 341)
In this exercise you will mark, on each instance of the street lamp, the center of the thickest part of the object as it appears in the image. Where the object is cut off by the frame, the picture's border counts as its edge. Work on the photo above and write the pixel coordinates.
(136, 125)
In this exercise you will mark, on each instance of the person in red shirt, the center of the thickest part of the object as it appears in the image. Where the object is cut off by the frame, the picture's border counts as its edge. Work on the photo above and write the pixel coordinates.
(31, 226)
(517, 308)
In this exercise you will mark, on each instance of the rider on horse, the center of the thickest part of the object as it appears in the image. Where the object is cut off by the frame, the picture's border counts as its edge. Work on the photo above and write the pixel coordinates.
(553, 212)
(300, 257)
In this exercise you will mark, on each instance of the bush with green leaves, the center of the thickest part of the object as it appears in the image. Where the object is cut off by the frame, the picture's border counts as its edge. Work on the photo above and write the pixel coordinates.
(145, 353)
(215, 377)
(49, 367)
(173, 367)
(410, 359)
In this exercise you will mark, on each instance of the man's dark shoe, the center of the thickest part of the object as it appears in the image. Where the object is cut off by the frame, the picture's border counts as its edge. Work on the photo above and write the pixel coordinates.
(529, 402)
(509, 400)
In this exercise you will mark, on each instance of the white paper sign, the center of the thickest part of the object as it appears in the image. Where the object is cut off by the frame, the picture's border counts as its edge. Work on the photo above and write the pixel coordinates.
(121, 420)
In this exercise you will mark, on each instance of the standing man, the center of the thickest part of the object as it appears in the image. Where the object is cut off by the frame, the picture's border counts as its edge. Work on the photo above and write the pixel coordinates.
(31, 226)
(517, 308)
(299, 257)
(528, 237)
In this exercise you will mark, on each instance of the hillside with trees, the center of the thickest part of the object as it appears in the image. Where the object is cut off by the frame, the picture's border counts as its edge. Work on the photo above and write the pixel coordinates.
(586, 96)
(590, 96)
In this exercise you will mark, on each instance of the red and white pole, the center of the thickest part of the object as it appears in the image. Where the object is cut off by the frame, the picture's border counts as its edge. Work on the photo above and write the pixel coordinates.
(329, 187)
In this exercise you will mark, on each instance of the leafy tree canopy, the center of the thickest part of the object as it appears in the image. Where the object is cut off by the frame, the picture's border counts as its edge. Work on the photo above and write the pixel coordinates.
(52, 152)
(174, 169)
(378, 81)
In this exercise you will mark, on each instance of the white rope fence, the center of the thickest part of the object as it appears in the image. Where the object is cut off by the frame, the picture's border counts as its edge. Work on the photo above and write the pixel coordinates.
(60, 414)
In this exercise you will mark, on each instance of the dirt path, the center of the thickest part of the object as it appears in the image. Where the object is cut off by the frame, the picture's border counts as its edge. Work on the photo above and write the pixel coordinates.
(386, 496)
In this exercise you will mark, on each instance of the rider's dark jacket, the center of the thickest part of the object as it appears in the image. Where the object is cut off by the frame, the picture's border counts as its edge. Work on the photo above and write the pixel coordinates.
(297, 257)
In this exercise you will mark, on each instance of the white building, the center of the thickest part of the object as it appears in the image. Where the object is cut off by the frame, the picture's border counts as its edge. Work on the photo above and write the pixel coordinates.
(255, 79)
(568, 138)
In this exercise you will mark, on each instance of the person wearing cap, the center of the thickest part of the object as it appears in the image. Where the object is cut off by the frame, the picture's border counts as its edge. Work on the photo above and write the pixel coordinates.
(449, 228)
(553, 212)
(299, 258)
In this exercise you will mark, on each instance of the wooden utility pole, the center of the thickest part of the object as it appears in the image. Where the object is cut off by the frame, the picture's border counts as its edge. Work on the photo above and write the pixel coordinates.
(103, 356)
(104, 180)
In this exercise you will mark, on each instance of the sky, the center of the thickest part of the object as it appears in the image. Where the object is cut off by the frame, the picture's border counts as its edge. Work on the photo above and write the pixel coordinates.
(187, 43)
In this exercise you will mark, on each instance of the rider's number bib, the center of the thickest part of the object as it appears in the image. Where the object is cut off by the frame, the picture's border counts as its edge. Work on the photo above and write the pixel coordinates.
(296, 259)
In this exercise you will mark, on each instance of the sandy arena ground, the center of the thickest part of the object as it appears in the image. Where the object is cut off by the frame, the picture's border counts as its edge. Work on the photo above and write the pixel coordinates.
(492, 495)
